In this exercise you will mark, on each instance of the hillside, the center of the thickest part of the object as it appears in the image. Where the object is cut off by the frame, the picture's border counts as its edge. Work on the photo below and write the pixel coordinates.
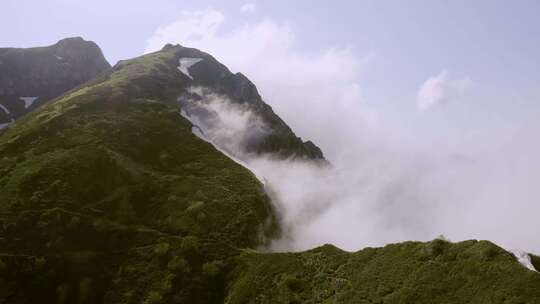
(108, 196)
(409, 272)
(125, 199)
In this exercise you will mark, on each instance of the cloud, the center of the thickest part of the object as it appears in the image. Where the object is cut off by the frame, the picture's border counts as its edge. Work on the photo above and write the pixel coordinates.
(190, 26)
(380, 188)
(326, 81)
(248, 8)
(230, 126)
(385, 193)
(441, 89)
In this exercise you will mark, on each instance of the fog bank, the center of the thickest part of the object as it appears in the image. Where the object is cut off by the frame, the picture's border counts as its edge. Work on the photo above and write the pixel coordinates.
(380, 191)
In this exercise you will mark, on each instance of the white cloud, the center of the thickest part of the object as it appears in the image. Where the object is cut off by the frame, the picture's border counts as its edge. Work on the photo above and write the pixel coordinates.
(248, 8)
(441, 89)
(379, 189)
(191, 26)
(325, 81)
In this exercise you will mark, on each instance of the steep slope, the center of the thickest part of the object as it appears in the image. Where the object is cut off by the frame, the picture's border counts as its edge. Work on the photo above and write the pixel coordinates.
(108, 196)
(214, 78)
(535, 261)
(33, 76)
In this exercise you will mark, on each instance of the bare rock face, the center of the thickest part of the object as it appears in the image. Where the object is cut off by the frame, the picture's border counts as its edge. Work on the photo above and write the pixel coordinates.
(30, 77)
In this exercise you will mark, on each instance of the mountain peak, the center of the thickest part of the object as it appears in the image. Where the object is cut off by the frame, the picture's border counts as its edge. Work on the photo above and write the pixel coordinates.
(77, 39)
(170, 46)
(237, 88)
(171, 72)
(30, 77)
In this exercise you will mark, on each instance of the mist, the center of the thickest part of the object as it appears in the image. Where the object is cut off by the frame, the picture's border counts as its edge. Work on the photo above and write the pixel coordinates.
(381, 191)
(443, 160)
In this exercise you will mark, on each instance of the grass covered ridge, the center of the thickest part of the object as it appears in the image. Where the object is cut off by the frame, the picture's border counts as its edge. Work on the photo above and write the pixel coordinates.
(412, 272)
(106, 196)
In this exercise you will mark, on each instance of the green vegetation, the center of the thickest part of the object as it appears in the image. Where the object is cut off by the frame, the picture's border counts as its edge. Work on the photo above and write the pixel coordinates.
(410, 272)
(104, 196)
(107, 196)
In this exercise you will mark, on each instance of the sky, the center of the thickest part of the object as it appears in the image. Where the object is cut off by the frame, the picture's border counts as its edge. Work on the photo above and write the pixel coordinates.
(440, 98)
(493, 45)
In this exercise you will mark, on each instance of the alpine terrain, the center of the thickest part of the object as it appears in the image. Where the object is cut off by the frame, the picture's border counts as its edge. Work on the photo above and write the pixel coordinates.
(111, 192)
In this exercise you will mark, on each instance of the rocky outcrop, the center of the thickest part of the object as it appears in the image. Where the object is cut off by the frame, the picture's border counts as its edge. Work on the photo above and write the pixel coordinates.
(210, 74)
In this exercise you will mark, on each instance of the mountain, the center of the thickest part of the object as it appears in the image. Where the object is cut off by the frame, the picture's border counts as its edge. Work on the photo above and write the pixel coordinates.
(30, 77)
(206, 72)
(109, 194)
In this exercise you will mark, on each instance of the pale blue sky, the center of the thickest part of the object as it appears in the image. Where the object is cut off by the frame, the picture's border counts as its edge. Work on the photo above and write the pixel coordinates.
(484, 36)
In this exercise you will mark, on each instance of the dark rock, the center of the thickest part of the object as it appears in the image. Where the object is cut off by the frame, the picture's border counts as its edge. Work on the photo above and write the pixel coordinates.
(211, 74)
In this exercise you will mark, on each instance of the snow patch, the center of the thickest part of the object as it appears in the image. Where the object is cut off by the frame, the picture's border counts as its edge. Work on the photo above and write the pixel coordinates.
(28, 101)
(186, 63)
(524, 258)
(58, 57)
(4, 125)
(5, 109)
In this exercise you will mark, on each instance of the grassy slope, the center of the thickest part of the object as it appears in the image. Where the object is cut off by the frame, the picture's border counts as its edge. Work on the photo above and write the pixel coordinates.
(410, 272)
(105, 194)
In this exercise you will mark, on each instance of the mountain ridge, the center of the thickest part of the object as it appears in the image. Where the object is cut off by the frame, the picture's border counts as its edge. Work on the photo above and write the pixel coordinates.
(107, 196)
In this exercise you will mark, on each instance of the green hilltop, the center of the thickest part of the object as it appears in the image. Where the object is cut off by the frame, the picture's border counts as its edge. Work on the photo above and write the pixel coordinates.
(106, 196)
